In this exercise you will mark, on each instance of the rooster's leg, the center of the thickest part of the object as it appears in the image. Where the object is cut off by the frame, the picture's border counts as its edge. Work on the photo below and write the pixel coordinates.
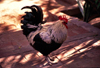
(49, 60)
(53, 58)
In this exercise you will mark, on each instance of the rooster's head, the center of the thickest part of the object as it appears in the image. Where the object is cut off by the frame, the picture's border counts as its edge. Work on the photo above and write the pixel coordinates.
(65, 20)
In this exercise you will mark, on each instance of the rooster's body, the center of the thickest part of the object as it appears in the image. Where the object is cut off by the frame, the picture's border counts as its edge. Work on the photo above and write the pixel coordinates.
(46, 38)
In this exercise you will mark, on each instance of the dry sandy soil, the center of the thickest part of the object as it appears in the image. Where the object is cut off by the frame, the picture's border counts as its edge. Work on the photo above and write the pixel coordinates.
(11, 13)
(10, 16)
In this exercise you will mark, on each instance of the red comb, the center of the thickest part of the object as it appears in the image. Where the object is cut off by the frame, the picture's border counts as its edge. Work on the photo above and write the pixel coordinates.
(63, 18)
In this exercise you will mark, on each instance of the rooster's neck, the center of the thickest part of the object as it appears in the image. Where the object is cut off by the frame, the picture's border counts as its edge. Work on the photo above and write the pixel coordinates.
(65, 25)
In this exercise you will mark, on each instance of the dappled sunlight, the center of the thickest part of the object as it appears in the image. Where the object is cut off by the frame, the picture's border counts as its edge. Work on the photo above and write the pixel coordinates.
(39, 54)
(82, 45)
(66, 53)
(96, 43)
(21, 59)
(9, 61)
(11, 27)
(11, 12)
(55, 11)
(69, 62)
(28, 56)
(69, 52)
(64, 57)
(80, 50)
(14, 47)
(95, 22)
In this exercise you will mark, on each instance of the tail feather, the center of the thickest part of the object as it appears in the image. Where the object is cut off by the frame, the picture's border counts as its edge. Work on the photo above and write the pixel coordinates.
(37, 14)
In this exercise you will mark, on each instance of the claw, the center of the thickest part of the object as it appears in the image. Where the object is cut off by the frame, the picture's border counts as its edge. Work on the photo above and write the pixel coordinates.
(49, 60)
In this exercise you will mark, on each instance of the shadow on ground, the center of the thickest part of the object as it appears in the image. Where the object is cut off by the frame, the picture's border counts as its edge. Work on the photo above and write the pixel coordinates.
(16, 52)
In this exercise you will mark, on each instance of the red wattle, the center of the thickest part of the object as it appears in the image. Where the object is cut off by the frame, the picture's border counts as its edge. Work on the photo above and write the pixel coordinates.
(65, 25)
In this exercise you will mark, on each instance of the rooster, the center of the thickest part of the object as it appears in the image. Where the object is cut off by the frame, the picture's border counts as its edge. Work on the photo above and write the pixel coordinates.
(44, 38)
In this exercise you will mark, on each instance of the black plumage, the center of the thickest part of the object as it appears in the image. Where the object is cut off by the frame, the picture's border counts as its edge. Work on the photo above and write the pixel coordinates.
(35, 17)
(43, 47)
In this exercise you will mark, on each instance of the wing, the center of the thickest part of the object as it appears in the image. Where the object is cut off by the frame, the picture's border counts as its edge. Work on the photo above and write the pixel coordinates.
(39, 36)
(43, 46)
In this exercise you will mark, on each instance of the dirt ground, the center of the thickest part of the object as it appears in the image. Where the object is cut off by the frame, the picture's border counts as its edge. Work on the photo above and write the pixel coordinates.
(11, 13)
(80, 50)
